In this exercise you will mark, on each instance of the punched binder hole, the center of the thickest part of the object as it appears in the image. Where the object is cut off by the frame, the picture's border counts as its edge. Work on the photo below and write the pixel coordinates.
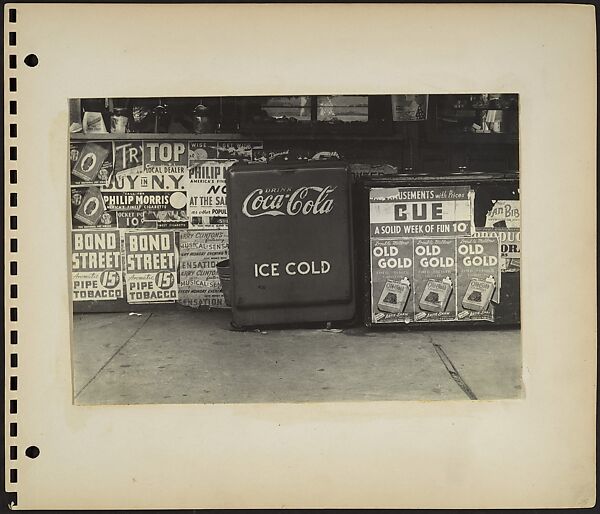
(31, 60)
(32, 452)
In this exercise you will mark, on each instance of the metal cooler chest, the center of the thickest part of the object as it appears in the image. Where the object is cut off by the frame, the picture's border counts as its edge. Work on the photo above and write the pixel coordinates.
(290, 243)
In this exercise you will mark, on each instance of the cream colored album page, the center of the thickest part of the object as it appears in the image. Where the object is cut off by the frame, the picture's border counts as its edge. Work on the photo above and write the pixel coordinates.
(299, 417)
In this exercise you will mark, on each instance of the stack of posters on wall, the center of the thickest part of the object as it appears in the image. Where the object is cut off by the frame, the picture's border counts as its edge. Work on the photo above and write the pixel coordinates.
(427, 262)
(149, 219)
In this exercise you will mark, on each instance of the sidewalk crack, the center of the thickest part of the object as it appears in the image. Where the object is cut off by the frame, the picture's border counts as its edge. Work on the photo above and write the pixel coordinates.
(448, 364)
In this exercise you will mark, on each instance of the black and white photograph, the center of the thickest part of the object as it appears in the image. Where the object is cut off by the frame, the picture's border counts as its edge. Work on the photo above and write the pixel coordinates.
(310, 248)
(300, 256)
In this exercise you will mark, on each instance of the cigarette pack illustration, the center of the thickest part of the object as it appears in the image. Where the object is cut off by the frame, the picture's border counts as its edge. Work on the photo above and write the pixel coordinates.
(91, 159)
(394, 295)
(478, 294)
(91, 208)
(436, 295)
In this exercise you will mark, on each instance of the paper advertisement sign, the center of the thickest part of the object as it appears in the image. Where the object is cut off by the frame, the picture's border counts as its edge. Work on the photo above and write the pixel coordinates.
(140, 209)
(421, 212)
(151, 266)
(91, 163)
(238, 150)
(510, 246)
(478, 281)
(200, 251)
(392, 280)
(434, 280)
(504, 214)
(96, 265)
(149, 165)
(88, 206)
(204, 182)
(202, 150)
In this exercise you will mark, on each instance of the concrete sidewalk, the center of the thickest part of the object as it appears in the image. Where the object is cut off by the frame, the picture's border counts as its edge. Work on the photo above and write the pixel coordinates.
(184, 356)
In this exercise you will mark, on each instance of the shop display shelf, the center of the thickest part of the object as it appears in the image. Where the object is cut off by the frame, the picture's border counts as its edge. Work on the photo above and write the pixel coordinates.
(136, 136)
(475, 137)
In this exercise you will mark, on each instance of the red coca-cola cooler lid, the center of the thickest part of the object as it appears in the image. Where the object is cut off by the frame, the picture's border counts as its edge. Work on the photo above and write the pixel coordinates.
(290, 242)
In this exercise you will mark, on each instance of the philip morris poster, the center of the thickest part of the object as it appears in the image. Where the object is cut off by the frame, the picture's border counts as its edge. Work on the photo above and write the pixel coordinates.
(96, 265)
(478, 265)
(421, 211)
(151, 266)
(392, 280)
(200, 251)
(204, 182)
(146, 209)
(434, 292)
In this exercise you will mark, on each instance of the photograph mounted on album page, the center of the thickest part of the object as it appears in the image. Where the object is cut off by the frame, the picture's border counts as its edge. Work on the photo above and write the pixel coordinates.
(256, 260)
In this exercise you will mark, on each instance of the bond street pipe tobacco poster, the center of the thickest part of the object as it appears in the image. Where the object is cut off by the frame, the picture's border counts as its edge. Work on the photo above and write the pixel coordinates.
(96, 265)
(200, 251)
(151, 266)
(422, 211)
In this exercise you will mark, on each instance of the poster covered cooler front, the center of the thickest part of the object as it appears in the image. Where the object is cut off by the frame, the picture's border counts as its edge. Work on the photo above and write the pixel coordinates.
(441, 251)
(290, 243)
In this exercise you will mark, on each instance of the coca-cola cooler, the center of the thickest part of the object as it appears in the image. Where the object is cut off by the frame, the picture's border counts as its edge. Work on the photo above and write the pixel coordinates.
(290, 243)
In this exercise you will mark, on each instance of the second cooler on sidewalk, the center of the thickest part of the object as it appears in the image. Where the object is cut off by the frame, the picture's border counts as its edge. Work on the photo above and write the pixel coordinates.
(290, 243)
